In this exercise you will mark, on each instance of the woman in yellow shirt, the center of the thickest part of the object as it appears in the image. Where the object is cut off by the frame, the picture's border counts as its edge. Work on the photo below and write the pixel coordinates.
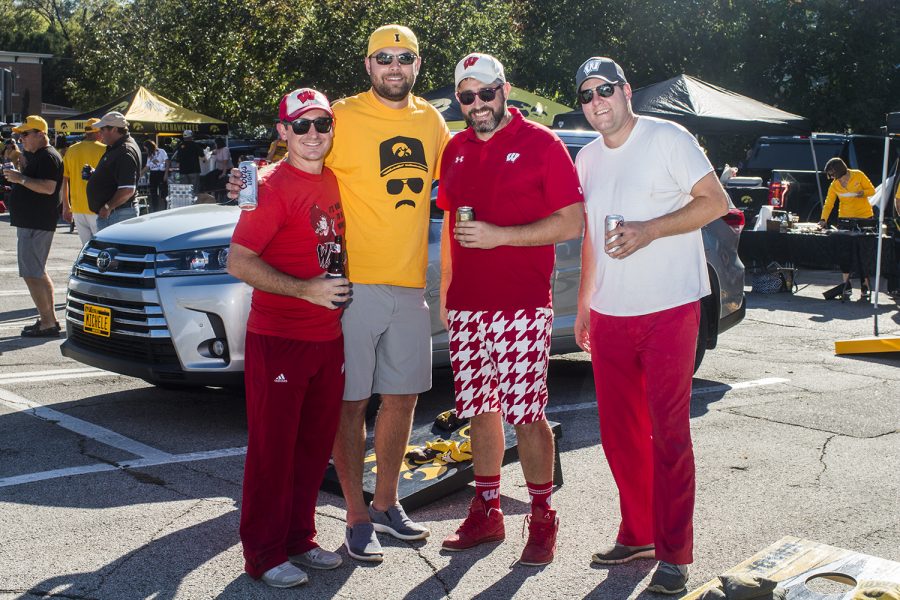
(854, 189)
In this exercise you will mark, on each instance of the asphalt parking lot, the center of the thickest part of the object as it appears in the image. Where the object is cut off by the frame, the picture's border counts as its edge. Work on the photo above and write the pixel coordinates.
(114, 489)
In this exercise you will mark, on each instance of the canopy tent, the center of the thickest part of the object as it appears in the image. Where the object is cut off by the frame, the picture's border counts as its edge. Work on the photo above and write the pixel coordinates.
(148, 113)
(533, 107)
(704, 109)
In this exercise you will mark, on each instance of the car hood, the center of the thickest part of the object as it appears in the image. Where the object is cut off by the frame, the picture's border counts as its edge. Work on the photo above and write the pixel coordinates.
(203, 225)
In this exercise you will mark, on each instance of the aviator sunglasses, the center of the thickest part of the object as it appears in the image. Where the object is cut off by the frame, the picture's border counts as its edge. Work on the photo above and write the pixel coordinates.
(604, 91)
(406, 58)
(301, 126)
(486, 95)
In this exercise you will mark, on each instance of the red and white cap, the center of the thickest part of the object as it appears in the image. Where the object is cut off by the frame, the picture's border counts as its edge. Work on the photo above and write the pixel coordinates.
(301, 101)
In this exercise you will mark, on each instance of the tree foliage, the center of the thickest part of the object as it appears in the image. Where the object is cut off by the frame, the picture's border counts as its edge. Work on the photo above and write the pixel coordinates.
(835, 61)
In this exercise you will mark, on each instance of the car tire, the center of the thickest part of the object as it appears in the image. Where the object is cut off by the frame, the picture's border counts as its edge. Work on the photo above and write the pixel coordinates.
(702, 336)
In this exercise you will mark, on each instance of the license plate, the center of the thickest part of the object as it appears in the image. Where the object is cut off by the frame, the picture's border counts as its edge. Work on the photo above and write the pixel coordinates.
(97, 320)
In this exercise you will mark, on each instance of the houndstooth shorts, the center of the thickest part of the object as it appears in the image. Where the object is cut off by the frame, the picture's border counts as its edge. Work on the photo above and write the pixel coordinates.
(499, 361)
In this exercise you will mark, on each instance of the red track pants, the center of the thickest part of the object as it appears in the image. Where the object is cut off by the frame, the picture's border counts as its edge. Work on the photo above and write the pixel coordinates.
(643, 367)
(294, 391)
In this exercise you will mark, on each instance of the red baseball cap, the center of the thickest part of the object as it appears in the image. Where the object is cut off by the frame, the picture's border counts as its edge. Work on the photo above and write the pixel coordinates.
(301, 101)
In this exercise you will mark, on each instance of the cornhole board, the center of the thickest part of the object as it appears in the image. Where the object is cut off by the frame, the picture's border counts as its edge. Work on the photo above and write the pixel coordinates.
(792, 561)
(423, 484)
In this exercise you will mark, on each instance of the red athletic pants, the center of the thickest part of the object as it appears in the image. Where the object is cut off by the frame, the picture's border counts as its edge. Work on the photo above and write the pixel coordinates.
(643, 367)
(294, 391)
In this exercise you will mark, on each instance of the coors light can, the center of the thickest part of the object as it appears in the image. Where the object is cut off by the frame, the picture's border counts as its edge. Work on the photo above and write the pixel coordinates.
(247, 195)
(613, 221)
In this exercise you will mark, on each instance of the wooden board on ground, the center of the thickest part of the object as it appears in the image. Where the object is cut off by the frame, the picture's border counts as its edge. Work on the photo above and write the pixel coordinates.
(423, 484)
(793, 561)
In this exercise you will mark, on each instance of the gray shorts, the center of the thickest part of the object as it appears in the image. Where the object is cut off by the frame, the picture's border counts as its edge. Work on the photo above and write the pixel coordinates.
(387, 342)
(33, 248)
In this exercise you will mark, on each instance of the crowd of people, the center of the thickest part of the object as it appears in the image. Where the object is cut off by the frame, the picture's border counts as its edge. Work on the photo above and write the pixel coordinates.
(360, 169)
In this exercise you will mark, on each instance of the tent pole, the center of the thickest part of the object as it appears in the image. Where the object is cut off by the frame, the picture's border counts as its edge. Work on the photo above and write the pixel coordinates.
(812, 149)
(882, 205)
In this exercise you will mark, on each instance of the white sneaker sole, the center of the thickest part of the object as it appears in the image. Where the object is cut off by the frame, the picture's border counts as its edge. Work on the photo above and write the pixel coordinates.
(363, 557)
(650, 553)
(400, 536)
(284, 585)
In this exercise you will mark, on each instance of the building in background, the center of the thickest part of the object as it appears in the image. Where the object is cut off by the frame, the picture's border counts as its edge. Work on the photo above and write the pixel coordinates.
(20, 84)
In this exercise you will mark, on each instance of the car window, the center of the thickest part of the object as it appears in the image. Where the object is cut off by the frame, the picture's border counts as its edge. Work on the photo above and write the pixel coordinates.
(792, 156)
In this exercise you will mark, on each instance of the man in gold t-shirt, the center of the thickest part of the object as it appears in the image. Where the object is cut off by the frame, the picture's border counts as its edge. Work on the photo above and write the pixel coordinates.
(73, 193)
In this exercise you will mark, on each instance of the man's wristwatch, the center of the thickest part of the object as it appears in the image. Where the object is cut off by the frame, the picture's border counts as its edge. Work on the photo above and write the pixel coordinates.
(106, 206)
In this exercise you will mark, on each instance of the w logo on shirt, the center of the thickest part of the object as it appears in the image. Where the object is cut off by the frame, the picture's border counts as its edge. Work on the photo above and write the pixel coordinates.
(459, 159)
(512, 156)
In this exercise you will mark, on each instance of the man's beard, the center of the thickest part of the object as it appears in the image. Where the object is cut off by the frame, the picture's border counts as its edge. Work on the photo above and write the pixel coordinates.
(490, 124)
(392, 92)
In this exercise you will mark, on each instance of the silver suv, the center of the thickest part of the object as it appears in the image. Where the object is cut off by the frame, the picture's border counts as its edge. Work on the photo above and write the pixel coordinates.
(150, 297)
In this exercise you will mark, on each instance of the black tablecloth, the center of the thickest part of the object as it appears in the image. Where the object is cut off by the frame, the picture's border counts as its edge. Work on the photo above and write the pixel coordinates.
(818, 250)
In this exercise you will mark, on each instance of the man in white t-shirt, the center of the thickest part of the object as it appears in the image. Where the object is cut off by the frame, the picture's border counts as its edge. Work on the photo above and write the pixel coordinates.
(639, 312)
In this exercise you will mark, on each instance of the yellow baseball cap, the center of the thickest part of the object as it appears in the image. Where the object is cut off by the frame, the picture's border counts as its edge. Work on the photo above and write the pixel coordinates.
(393, 36)
(32, 122)
(89, 125)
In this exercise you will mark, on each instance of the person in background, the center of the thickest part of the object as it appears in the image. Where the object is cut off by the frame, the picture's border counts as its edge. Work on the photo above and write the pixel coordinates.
(11, 152)
(157, 159)
(112, 185)
(61, 144)
(73, 193)
(277, 149)
(295, 351)
(852, 189)
(33, 210)
(639, 312)
(188, 158)
(214, 181)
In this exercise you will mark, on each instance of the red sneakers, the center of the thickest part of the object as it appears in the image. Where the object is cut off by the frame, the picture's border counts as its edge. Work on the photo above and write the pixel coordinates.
(542, 527)
(480, 526)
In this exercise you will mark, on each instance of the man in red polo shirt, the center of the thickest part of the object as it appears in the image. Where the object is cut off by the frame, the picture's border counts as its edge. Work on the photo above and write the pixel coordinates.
(496, 295)
(294, 362)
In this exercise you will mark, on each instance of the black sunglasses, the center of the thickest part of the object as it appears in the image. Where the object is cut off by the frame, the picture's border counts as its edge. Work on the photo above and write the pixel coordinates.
(301, 126)
(486, 95)
(604, 91)
(406, 58)
(395, 186)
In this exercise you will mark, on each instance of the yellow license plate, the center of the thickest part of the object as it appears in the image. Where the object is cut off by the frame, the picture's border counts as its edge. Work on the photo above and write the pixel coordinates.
(97, 320)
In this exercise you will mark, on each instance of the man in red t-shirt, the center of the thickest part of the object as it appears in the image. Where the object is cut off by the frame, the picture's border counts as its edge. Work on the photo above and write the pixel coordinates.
(496, 296)
(294, 354)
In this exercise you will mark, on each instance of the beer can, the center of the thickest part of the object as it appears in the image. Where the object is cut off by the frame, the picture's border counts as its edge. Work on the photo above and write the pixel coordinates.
(613, 221)
(465, 213)
(247, 195)
(86, 172)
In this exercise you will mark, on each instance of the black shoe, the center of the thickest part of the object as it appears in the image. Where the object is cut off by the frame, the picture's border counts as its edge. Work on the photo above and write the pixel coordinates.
(848, 291)
(864, 294)
(50, 332)
(35, 325)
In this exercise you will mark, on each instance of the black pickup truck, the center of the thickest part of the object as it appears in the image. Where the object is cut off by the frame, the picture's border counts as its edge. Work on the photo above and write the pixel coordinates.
(793, 174)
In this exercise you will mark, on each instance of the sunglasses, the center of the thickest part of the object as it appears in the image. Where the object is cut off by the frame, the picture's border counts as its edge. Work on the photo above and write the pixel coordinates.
(395, 186)
(406, 58)
(604, 91)
(25, 134)
(301, 126)
(486, 95)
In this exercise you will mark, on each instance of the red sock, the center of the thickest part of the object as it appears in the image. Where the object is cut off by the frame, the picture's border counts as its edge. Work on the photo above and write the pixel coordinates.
(489, 489)
(540, 494)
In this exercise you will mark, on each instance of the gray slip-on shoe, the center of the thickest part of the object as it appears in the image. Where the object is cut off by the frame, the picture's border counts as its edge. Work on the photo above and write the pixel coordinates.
(620, 554)
(284, 575)
(317, 558)
(668, 578)
(362, 543)
(395, 522)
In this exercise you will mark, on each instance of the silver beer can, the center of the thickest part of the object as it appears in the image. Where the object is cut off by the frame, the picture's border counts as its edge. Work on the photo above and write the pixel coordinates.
(613, 221)
(247, 195)
(464, 214)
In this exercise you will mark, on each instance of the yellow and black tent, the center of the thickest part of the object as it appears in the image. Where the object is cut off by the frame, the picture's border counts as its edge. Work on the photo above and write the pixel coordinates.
(150, 114)
(533, 107)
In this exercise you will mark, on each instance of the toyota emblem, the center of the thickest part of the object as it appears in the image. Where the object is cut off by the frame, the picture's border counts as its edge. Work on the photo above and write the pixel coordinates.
(103, 261)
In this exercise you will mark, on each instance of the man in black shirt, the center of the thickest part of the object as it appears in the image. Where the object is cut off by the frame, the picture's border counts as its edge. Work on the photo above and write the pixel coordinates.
(112, 185)
(33, 210)
(188, 158)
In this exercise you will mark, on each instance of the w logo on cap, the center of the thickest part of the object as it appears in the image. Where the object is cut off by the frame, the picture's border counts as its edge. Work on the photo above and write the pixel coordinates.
(471, 60)
(306, 96)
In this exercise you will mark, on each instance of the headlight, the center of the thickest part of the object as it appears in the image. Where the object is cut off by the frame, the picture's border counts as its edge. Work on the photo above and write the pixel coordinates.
(203, 261)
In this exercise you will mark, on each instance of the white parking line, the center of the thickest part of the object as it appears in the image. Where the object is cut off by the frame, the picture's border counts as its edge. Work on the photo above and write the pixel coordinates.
(725, 387)
(153, 457)
(55, 375)
(16, 269)
(132, 464)
(88, 430)
(56, 292)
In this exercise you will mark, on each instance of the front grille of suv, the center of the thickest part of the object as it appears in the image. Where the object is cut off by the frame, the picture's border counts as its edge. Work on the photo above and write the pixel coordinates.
(138, 330)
